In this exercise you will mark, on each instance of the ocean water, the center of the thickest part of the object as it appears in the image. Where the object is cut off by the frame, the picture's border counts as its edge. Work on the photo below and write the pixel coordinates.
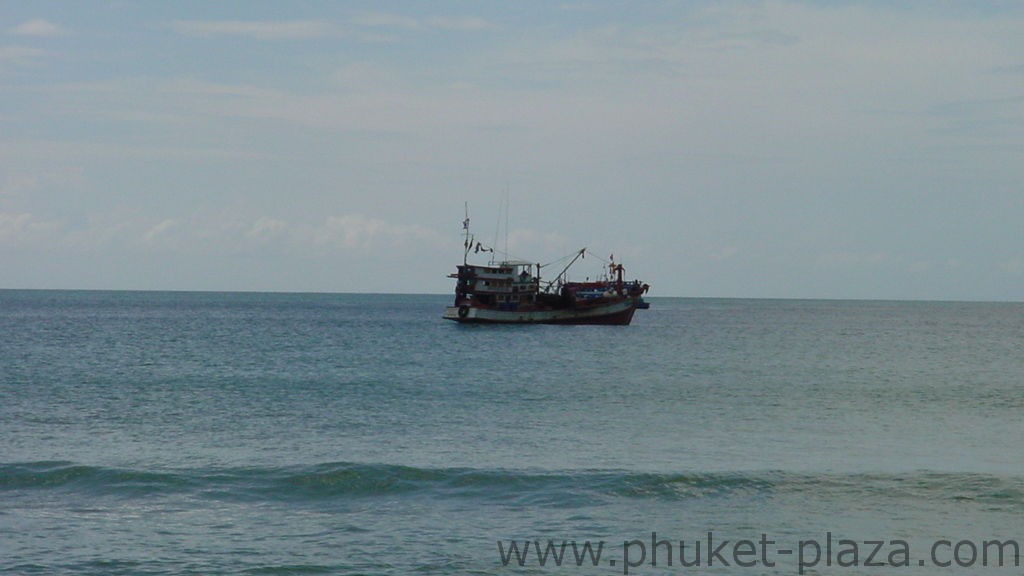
(239, 433)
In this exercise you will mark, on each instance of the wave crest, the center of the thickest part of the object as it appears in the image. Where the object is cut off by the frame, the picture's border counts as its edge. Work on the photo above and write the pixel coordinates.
(559, 488)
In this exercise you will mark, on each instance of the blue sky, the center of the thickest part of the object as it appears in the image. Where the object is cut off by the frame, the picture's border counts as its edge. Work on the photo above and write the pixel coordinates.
(753, 149)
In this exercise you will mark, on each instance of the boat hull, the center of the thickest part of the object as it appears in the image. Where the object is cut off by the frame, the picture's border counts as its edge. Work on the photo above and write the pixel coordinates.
(614, 313)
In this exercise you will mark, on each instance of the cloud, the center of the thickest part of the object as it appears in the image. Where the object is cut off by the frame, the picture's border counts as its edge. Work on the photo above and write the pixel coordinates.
(856, 259)
(23, 183)
(1013, 266)
(382, 20)
(25, 228)
(258, 30)
(401, 22)
(160, 231)
(39, 28)
(15, 183)
(530, 244)
(358, 231)
(723, 253)
(459, 23)
(369, 99)
(921, 266)
(267, 229)
(17, 56)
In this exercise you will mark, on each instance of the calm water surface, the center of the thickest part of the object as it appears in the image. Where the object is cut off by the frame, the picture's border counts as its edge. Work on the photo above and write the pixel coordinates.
(240, 433)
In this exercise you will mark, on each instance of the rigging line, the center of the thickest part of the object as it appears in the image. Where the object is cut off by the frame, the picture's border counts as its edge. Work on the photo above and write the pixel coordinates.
(562, 259)
(497, 252)
(595, 255)
(579, 254)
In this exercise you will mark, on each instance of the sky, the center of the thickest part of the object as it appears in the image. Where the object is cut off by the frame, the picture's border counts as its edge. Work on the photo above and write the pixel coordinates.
(776, 149)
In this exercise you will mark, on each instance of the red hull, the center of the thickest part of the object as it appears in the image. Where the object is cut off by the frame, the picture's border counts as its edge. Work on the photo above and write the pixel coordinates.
(614, 313)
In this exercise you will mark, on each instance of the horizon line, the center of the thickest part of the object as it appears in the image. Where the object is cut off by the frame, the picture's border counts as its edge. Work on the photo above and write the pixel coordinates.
(654, 297)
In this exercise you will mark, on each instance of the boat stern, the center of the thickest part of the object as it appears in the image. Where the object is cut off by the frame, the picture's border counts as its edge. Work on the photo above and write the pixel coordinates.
(459, 313)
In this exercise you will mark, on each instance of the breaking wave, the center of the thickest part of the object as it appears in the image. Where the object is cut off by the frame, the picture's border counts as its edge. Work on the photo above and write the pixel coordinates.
(356, 480)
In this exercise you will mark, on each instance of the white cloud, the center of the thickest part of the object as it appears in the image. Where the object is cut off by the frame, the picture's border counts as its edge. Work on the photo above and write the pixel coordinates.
(131, 231)
(365, 77)
(920, 266)
(38, 27)
(160, 231)
(383, 20)
(259, 30)
(18, 229)
(856, 259)
(358, 231)
(16, 183)
(533, 244)
(22, 183)
(462, 23)
(112, 229)
(402, 22)
(723, 253)
(1013, 266)
(267, 229)
(17, 56)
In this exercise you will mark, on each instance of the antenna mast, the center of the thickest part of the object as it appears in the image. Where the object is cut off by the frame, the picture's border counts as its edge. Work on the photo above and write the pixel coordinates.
(508, 195)
(468, 239)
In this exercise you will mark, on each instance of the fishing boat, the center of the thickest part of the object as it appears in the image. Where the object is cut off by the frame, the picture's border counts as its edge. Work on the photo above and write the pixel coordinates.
(512, 292)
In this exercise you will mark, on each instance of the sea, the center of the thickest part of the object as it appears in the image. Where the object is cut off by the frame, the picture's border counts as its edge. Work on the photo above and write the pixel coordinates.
(188, 433)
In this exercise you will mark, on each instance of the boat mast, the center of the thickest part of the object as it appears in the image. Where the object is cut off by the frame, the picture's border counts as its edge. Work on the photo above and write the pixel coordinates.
(468, 239)
(508, 196)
